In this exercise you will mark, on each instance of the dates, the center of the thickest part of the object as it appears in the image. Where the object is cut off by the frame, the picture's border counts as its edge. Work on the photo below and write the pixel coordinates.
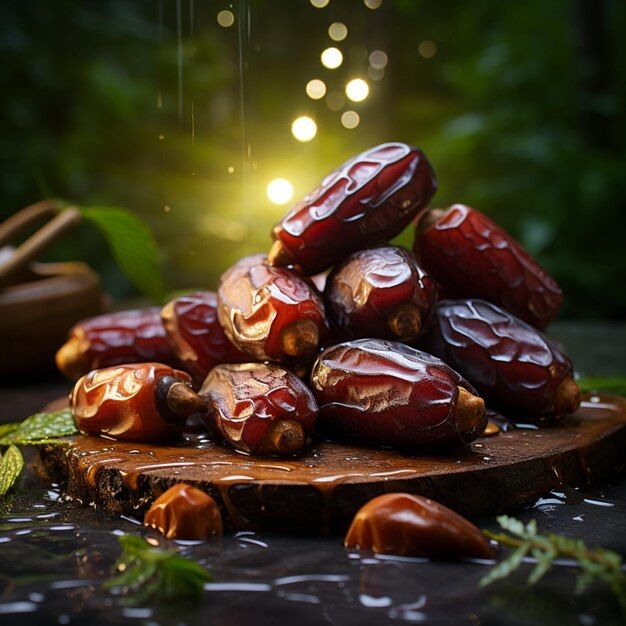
(122, 337)
(184, 512)
(513, 365)
(472, 257)
(196, 336)
(136, 402)
(387, 393)
(408, 525)
(272, 313)
(367, 201)
(259, 408)
(381, 292)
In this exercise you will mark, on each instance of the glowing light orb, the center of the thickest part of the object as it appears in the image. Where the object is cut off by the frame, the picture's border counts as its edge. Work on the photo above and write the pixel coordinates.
(279, 191)
(337, 31)
(378, 59)
(225, 19)
(427, 49)
(335, 101)
(316, 89)
(357, 90)
(304, 128)
(350, 119)
(332, 58)
(372, 4)
(319, 4)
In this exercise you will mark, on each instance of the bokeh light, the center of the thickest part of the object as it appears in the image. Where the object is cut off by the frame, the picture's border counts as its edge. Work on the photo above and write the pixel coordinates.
(350, 119)
(304, 128)
(319, 4)
(427, 49)
(357, 90)
(372, 4)
(280, 191)
(316, 89)
(375, 74)
(378, 59)
(332, 58)
(337, 31)
(335, 101)
(225, 19)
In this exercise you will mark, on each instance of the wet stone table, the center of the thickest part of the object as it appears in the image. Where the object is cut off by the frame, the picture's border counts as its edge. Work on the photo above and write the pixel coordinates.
(55, 554)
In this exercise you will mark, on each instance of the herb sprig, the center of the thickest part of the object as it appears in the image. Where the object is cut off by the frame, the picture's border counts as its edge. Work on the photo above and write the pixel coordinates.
(147, 572)
(595, 564)
(612, 384)
(11, 466)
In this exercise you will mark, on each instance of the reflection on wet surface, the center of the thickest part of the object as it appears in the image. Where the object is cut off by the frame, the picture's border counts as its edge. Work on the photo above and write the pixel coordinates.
(55, 553)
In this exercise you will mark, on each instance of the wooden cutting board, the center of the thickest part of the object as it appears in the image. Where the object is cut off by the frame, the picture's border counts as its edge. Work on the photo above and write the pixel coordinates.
(320, 491)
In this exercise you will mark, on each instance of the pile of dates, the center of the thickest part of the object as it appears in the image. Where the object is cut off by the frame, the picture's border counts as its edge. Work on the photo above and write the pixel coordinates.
(335, 333)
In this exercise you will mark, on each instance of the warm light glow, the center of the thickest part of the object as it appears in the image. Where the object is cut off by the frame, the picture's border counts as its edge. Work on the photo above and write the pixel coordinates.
(304, 128)
(357, 90)
(335, 101)
(372, 4)
(280, 191)
(319, 4)
(337, 31)
(332, 58)
(378, 59)
(350, 119)
(375, 74)
(225, 18)
(316, 89)
(427, 49)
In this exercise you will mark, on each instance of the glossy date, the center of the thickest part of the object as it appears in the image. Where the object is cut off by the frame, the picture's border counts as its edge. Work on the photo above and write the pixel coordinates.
(259, 408)
(367, 201)
(131, 336)
(387, 393)
(472, 257)
(272, 313)
(514, 366)
(381, 292)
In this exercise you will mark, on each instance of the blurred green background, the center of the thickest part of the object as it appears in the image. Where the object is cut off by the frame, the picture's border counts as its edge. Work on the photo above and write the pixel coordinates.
(167, 108)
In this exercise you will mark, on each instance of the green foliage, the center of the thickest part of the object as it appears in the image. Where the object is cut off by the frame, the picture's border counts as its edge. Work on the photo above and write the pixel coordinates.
(594, 564)
(11, 465)
(39, 429)
(133, 247)
(612, 384)
(147, 572)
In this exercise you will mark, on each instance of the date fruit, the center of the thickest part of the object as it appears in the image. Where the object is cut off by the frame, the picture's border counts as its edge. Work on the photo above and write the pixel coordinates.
(381, 292)
(472, 257)
(259, 408)
(365, 202)
(133, 336)
(136, 402)
(272, 313)
(196, 335)
(514, 366)
(408, 525)
(184, 512)
(387, 393)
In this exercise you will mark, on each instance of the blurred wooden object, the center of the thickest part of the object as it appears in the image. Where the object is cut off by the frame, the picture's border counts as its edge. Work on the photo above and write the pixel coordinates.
(40, 302)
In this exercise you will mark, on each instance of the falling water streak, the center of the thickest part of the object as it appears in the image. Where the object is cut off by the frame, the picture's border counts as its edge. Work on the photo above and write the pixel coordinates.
(179, 34)
(244, 36)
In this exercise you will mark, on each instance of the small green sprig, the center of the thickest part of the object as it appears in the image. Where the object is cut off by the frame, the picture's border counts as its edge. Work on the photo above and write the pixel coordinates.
(612, 384)
(11, 465)
(40, 428)
(147, 572)
(595, 564)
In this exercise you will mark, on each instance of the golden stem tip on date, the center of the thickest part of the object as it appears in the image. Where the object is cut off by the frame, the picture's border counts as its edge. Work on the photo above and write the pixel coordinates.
(279, 256)
(405, 322)
(71, 359)
(284, 437)
(470, 410)
(567, 398)
(301, 338)
(184, 401)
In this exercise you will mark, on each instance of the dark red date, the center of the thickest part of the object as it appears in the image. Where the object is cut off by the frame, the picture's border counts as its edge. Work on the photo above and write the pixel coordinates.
(381, 292)
(514, 366)
(367, 201)
(388, 393)
(272, 313)
(196, 335)
(122, 337)
(259, 408)
(472, 257)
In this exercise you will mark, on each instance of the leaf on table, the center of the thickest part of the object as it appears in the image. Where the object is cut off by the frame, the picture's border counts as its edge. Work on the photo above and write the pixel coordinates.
(40, 428)
(132, 245)
(11, 466)
(612, 384)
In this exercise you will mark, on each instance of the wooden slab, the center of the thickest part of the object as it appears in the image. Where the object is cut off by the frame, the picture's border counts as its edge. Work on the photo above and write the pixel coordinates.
(320, 491)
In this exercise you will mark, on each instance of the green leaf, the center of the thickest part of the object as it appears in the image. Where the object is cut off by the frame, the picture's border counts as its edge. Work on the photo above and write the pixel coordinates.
(612, 384)
(506, 567)
(41, 428)
(10, 468)
(132, 245)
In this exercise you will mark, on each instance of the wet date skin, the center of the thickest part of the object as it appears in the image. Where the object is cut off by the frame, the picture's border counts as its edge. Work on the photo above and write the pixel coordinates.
(367, 201)
(514, 366)
(271, 313)
(132, 336)
(472, 257)
(196, 335)
(381, 292)
(408, 525)
(135, 402)
(387, 393)
(259, 408)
